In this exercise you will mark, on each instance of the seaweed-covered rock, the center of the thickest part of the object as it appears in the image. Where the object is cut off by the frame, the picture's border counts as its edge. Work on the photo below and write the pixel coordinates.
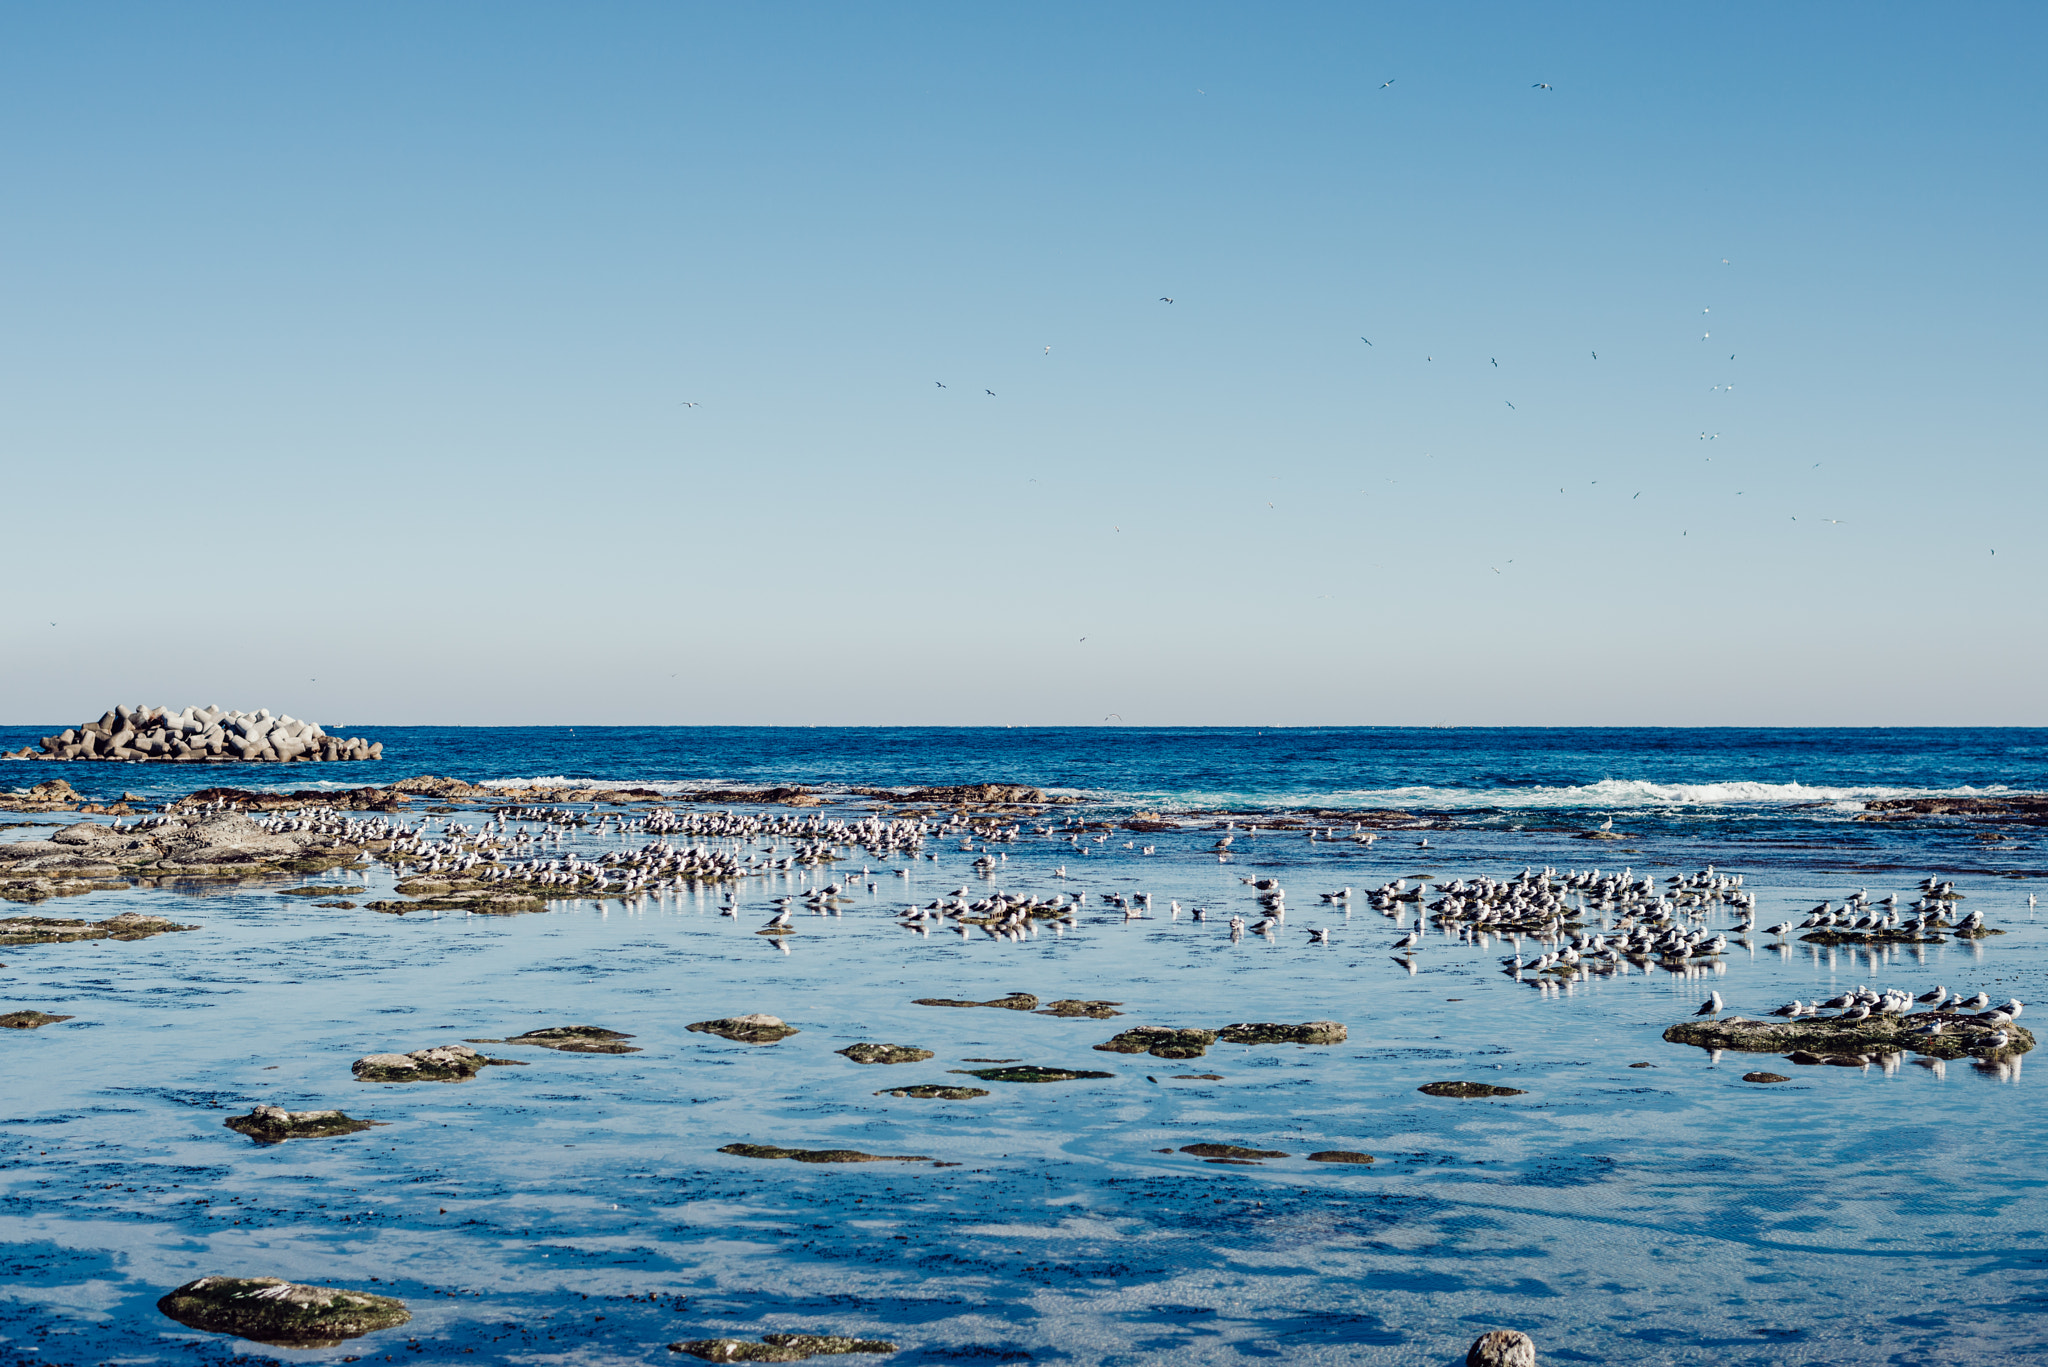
(1073, 1009)
(1028, 1073)
(274, 1124)
(1160, 1041)
(1230, 1151)
(935, 1092)
(572, 1039)
(282, 1314)
(779, 1347)
(1265, 1032)
(1339, 1156)
(29, 1020)
(443, 1063)
(43, 930)
(821, 1155)
(1879, 1033)
(1765, 1077)
(755, 1029)
(886, 1053)
(1016, 1001)
(1467, 1089)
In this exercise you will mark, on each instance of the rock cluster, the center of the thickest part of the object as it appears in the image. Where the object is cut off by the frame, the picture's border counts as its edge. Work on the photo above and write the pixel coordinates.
(85, 856)
(199, 734)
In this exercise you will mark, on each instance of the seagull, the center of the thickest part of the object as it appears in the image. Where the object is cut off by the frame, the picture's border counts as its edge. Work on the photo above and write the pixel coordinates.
(1389, 81)
(1496, 364)
(1596, 355)
(1710, 1007)
(1164, 300)
(1048, 351)
(1540, 86)
(1318, 937)
(1366, 340)
(940, 383)
(1509, 404)
(990, 392)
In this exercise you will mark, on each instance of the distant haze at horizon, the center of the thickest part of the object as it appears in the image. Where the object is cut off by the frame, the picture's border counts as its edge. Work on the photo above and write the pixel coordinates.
(347, 356)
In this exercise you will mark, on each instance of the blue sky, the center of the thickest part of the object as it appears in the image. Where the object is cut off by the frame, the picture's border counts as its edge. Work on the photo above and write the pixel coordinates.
(343, 356)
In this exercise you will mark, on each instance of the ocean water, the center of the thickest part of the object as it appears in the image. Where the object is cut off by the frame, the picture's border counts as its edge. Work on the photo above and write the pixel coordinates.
(577, 1209)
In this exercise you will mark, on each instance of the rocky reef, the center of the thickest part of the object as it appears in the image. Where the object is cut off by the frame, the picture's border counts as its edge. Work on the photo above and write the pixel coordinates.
(443, 1063)
(821, 1155)
(935, 1092)
(886, 1053)
(779, 1347)
(1467, 1089)
(754, 1029)
(199, 735)
(86, 856)
(274, 1124)
(29, 1020)
(282, 1314)
(1029, 1073)
(1824, 1039)
(1160, 1041)
(571, 1039)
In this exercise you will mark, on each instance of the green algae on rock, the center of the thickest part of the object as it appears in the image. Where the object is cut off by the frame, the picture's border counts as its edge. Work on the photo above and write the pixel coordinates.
(934, 1092)
(754, 1029)
(1266, 1032)
(30, 1020)
(444, 1063)
(274, 1124)
(821, 1155)
(281, 1314)
(1230, 1151)
(1016, 1001)
(779, 1347)
(44, 930)
(886, 1053)
(1339, 1156)
(1072, 1009)
(1467, 1089)
(1029, 1073)
(571, 1039)
(1879, 1033)
(1160, 1041)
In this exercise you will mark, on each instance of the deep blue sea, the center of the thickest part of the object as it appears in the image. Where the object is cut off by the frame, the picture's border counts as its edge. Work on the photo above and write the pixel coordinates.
(578, 1210)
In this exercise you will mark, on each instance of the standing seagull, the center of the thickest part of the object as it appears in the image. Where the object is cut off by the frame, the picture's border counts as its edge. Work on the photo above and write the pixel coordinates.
(1711, 1006)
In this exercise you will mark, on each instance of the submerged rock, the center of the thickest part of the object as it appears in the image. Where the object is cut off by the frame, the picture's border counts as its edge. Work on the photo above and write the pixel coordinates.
(779, 1347)
(30, 1020)
(821, 1155)
(274, 1124)
(1339, 1156)
(1265, 1032)
(935, 1092)
(1467, 1089)
(444, 1063)
(1072, 1009)
(43, 930)
(1230, 1151)
(755, 1029)
(1765, 1077)
(1160, 1041)
(1016, 1001)
(1028, 1073)
(279, 1313)
(1502, 1348)
(1880, 1033)
(886, 1053)
(571, 1039)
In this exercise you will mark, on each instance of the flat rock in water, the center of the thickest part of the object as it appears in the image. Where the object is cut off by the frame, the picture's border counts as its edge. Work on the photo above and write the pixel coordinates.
(1160, 1041)
(1339, 1156)
(886, 1053)
(1016, 1001)
(1765, 1077)
(1467, 1089)
(338, 906)
(279, 1313)
(322, 892)
(1230, 1151)
(443, 1063)
(274, 1124)
(573, 1039)
(779, 1347)
(1266, 1032)
(1962, 1036)
(1198, 1077)
(755, 1029)
(44, 930)
(30, 1020)
(1073, 1010)
(821, 1155)
(934, 1092)
(1028, 1073)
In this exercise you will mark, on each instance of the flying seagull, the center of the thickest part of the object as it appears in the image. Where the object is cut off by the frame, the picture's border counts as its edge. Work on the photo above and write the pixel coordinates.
(1366, 340)
(940, 383)
(1510, 405)
(1596, 356)
(1389, 81)
(1164, 300)
(990, 392)
(1496, 364)
(1539, 86)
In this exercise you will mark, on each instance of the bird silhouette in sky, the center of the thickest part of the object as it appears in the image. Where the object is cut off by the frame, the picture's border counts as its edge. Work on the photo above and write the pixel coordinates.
(1389, 81)
(1366, 340)
(990, 392)
(939, 383)
(1540, 85)
(1164, 300)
